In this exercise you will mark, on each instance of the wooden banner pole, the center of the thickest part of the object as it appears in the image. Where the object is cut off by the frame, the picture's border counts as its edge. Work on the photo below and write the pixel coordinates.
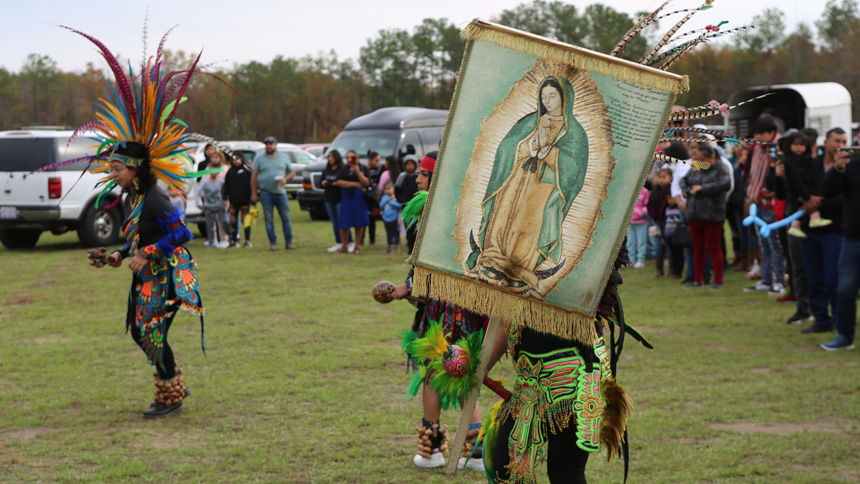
(456, 448)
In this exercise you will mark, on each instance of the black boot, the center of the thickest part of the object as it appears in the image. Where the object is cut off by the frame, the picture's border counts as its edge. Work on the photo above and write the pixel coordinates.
(168, 395)
(159, 409)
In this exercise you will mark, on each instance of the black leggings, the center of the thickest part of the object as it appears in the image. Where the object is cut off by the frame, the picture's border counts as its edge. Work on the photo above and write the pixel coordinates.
(169, 370)
(565, 462)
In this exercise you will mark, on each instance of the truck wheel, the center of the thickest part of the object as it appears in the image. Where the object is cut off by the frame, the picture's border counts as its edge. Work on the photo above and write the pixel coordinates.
(99, 228)
(19, 238)
(318, 215)
(201, 227)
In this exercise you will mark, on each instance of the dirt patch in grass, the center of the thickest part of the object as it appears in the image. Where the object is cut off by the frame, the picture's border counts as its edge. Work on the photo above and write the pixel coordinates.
(779, 428)
(820, 365)
(51, 338)
(26, 434)
(763, 370)
(18, 299)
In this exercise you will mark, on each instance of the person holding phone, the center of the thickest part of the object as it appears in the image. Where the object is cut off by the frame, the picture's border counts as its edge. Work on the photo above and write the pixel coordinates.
(352, 179)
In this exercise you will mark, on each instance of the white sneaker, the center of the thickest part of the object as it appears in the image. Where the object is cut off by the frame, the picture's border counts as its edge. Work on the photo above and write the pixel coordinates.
(776, 289)
(436, 460)
(639, 265)
(758, 287)
(333, 248)
(248, 244)
(351, 246)
(475, 464)
(222, 245)
(207, 245)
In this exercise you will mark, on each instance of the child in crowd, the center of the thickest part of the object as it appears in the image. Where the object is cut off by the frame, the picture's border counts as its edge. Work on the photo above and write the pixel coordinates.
(237, 192)
(799, 166)
(658, 202)
(212, 204)
(390, 213)
(178, 201)
(637, 234)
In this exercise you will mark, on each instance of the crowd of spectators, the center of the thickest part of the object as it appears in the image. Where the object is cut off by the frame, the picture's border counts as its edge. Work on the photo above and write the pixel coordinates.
(814, 263)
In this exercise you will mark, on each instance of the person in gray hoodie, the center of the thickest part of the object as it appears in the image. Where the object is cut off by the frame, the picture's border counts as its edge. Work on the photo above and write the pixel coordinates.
(706, 190)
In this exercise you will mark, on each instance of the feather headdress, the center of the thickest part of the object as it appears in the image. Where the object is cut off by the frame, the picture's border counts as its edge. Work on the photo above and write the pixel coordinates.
(139, 109)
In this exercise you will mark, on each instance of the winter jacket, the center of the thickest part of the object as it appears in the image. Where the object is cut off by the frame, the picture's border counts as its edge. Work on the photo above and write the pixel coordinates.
(709, 204)
(640, 211)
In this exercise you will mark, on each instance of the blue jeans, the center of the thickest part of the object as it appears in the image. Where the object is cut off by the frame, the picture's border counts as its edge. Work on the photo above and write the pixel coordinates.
(637, 241)
(333, 208)
(848, 287)
(270, 201)
(820, 253)
(771, 252)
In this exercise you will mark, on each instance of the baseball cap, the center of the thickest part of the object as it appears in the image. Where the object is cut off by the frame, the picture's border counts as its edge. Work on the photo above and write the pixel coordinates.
(270, 139)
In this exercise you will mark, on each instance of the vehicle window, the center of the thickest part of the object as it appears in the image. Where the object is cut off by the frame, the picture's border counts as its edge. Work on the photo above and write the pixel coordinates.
(432, 138)
(411, 138)
(383, 141)
(302, 157)
(26, 154)
(81, 146)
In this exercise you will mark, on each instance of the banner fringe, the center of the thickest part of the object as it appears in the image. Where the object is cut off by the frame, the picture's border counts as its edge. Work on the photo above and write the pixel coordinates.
(483, 299)
(575, 56)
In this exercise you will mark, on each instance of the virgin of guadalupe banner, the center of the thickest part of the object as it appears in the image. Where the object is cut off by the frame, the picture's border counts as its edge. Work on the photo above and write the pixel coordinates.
(545, 151)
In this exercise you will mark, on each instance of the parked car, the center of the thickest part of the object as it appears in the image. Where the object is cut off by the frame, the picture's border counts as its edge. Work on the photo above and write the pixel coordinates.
(399, 131)
(58, 200)
(316, 149)
(299, 159)
(193, 215)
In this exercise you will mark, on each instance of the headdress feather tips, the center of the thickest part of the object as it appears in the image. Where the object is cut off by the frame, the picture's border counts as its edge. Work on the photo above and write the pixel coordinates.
(140, 109)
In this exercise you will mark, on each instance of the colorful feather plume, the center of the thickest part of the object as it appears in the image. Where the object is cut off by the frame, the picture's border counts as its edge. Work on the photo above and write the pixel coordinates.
(414, 209)
(488, 435)
(453, 389)
(140, 109)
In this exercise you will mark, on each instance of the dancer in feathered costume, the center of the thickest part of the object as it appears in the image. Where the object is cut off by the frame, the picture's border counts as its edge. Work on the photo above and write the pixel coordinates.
(442, 348)
(138, 142)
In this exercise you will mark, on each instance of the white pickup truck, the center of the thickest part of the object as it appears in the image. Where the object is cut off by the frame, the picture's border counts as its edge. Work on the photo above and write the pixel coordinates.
(58, 200)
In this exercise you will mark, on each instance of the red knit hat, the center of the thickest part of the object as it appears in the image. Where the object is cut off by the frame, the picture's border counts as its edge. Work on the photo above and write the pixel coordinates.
(428, 164)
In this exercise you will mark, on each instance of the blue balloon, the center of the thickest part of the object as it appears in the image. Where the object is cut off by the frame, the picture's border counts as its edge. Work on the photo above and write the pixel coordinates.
(766, 228)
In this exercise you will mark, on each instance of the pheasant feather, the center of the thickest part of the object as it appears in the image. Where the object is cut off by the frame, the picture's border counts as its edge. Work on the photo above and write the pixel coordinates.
(634, 31)
(668, 36)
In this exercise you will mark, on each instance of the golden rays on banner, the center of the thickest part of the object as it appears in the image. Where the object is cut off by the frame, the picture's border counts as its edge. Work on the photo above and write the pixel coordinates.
(536, 180)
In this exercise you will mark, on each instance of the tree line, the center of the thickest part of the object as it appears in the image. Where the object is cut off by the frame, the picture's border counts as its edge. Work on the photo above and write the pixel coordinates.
(312, 98)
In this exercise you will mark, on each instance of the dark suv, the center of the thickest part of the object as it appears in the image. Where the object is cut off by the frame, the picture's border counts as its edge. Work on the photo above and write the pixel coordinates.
(387, 131)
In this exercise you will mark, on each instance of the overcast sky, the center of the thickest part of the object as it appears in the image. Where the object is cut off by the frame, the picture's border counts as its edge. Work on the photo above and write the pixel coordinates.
(239, 31)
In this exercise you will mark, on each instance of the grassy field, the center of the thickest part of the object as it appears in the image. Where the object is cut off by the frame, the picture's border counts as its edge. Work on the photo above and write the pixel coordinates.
(304, 381)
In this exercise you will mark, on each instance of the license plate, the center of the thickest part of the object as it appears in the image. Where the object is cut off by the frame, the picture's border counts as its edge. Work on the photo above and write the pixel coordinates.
(8, 213)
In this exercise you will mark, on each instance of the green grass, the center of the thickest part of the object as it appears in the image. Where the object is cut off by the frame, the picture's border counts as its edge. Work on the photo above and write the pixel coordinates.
(304, 381)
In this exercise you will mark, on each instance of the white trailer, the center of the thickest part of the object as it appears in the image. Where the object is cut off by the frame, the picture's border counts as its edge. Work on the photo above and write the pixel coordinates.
(819, 105)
